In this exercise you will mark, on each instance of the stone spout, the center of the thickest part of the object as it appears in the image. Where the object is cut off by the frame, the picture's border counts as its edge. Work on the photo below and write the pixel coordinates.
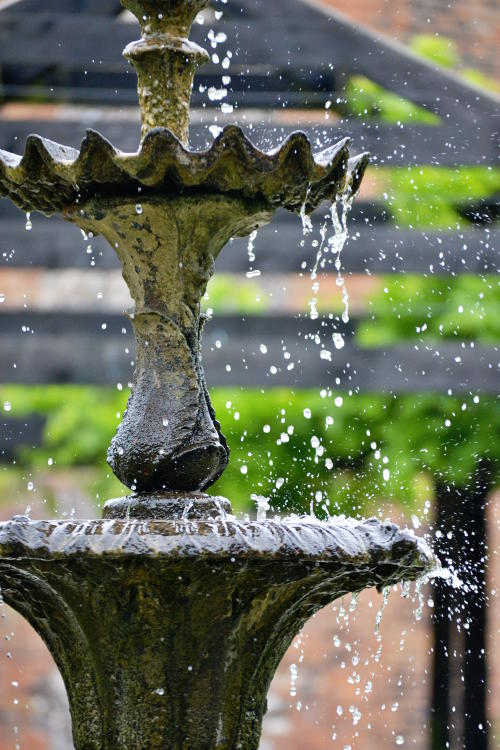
(168, 633)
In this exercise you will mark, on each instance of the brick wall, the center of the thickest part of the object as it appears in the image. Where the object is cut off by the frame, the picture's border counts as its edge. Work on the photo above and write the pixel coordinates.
(474, 26)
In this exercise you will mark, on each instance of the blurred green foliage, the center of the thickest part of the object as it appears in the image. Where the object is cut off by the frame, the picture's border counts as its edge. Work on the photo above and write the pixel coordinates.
(446, 435)
(299, 449)
(228, 293)
(366, 99)
(428, 310)
(434, 197)
(444, 51)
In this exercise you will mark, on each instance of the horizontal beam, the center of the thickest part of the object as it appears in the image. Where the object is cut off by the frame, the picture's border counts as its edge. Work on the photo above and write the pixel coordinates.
(93, 7)
(259, 34)
(375, 249)
(255, 98)
(59, 348)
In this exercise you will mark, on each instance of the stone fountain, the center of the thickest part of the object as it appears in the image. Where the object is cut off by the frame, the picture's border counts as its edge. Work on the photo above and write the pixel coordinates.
(169, 617)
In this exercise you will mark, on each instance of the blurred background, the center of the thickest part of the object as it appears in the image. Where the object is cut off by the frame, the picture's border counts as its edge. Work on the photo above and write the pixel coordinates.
(367, 386)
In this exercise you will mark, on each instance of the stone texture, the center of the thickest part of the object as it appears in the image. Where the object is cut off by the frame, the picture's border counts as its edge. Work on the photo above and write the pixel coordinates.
(168, 633)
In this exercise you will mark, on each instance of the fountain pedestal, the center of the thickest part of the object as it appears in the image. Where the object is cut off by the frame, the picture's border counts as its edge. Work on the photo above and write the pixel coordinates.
(169, 438)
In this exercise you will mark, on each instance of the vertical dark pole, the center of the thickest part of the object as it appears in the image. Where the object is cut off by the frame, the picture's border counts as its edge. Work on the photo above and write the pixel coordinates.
(462, 545)
(440, 701)
(440, 712)
(475, 616)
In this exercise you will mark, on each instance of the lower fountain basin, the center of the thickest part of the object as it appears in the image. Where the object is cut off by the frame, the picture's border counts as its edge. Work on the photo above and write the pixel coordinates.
(168, 632)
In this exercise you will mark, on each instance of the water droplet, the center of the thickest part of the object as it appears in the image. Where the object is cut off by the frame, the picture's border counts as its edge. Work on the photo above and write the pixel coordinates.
(29, 225)
(338, 341)
(263, 506)
(215, 130)
(294, 673)
(7, 405)
(138, 208)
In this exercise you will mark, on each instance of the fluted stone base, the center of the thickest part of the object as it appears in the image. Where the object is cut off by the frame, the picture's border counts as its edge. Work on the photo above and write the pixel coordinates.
(168, 633)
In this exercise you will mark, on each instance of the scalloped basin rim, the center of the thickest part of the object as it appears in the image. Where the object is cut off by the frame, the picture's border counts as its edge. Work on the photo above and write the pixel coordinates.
(230, 135)
(289, 175)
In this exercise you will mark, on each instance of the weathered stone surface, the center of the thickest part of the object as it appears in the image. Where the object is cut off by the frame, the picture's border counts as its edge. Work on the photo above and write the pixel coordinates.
(165, 62)
(186, 506)
(168, 633)
(169, 438)
(52, 179)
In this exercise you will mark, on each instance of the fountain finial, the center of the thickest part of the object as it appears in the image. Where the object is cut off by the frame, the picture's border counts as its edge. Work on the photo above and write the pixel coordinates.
(165, 61)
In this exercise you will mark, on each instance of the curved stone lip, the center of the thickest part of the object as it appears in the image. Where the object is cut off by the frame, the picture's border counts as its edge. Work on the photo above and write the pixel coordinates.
(343, 541)
(163, 41)
(51, 178)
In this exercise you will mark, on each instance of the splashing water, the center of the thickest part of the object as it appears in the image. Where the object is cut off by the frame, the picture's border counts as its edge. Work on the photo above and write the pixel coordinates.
(294, 673)
(218, 94)
(29, 224)
(336, 244)
(420, 597)
(263, 506)
(252, 272)
(307, 225)
(385, 596)
(251, 246)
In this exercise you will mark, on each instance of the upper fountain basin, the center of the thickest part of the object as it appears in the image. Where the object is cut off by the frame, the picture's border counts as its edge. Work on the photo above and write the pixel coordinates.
(51, 178)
